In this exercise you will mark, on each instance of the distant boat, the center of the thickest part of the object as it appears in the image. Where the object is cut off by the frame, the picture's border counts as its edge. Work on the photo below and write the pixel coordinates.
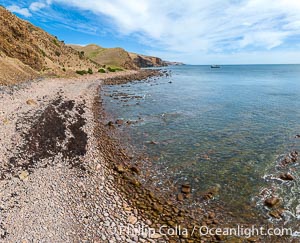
(214, 66)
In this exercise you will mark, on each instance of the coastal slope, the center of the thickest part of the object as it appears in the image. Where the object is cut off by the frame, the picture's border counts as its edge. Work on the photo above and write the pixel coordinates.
(116, 57)
(27, 51)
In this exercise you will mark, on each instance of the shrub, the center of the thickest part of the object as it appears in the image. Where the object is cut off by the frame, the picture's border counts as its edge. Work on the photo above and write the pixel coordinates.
(43, 53)
(101, 70)
(90, 71)
(55, 42)
(110, 69)
(81, 54)
(81, 72)
(57, 53)
(64, 69)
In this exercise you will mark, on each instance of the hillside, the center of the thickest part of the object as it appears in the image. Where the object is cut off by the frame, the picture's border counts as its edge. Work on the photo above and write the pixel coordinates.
(27, 51)
(116, 57)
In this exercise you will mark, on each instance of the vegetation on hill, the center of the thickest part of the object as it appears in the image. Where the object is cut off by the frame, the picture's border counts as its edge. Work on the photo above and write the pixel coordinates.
(114, 57)
(27, 51)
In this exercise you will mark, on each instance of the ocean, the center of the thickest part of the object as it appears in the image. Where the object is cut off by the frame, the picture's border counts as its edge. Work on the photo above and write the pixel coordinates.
(226, 127)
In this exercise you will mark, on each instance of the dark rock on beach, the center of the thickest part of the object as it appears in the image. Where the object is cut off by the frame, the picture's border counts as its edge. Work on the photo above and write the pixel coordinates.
(119, 122)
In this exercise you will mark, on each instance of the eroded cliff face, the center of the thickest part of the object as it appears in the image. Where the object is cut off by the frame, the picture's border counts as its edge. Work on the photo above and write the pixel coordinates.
(143, 61)
(27, 49)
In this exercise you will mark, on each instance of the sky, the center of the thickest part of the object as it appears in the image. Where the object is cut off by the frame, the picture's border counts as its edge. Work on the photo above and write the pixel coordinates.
(190, 31)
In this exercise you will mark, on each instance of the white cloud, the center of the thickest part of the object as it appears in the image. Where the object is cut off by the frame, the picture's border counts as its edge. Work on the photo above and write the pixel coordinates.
(36, 6)
(16, 9)
(197, 28)
(193, 27)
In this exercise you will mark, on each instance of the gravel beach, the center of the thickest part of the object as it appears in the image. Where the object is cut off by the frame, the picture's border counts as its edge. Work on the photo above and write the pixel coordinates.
(64, 178)
(55, 187)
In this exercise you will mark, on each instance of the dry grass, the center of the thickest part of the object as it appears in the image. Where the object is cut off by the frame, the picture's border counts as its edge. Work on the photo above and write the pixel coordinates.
(26, 50)
(116, 57)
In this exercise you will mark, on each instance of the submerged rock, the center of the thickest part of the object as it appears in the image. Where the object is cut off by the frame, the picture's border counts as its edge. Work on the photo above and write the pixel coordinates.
(180, 197)
(135, 169)
(272, 201)
(186, 188)
(119, 122)
(286, 177)
(276, 213)
(120, 169)
(110, 124)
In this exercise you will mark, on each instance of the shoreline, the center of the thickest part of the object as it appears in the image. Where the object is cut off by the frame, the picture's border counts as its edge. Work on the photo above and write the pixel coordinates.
(57, 185)
(64, 178)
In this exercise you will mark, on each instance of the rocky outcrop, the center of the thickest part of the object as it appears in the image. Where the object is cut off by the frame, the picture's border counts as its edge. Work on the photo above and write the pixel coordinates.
(146, 61)
(143, 61)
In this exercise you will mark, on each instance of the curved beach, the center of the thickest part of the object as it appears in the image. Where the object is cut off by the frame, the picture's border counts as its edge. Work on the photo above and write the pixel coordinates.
(63, 179)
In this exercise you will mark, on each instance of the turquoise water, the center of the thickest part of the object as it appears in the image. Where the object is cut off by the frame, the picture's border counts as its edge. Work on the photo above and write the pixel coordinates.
(222, 127)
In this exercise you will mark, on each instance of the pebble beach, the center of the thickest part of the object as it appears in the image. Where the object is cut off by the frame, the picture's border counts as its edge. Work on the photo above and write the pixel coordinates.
(62, 177)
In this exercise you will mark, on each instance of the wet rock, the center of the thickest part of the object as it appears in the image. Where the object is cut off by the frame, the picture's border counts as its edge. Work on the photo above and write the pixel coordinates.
(297, 136)
(211, 192)
(276, 213)
(286, 161)
(153, 142)
(272, 201)
(205, 156)
(135, 169)
(120, 169)
(180, 197)
(158, 208)
(294, 156)
(110, 124)
(119, 122)
(186, 188)
(286, 177)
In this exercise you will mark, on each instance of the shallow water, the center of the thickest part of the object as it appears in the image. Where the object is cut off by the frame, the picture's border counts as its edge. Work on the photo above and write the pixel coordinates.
(226, 127)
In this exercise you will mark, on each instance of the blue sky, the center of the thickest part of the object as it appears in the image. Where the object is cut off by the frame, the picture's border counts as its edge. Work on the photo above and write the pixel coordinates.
(192, 31)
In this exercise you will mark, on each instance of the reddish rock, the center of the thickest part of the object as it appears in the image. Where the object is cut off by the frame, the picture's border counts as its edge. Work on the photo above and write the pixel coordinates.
(272, 201)
(286, 177)
(119, 122)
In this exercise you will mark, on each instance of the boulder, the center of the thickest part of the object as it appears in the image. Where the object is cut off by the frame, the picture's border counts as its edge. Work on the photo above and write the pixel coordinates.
(286, 177)
(272, 201)
(119, 122)
(186, 188)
